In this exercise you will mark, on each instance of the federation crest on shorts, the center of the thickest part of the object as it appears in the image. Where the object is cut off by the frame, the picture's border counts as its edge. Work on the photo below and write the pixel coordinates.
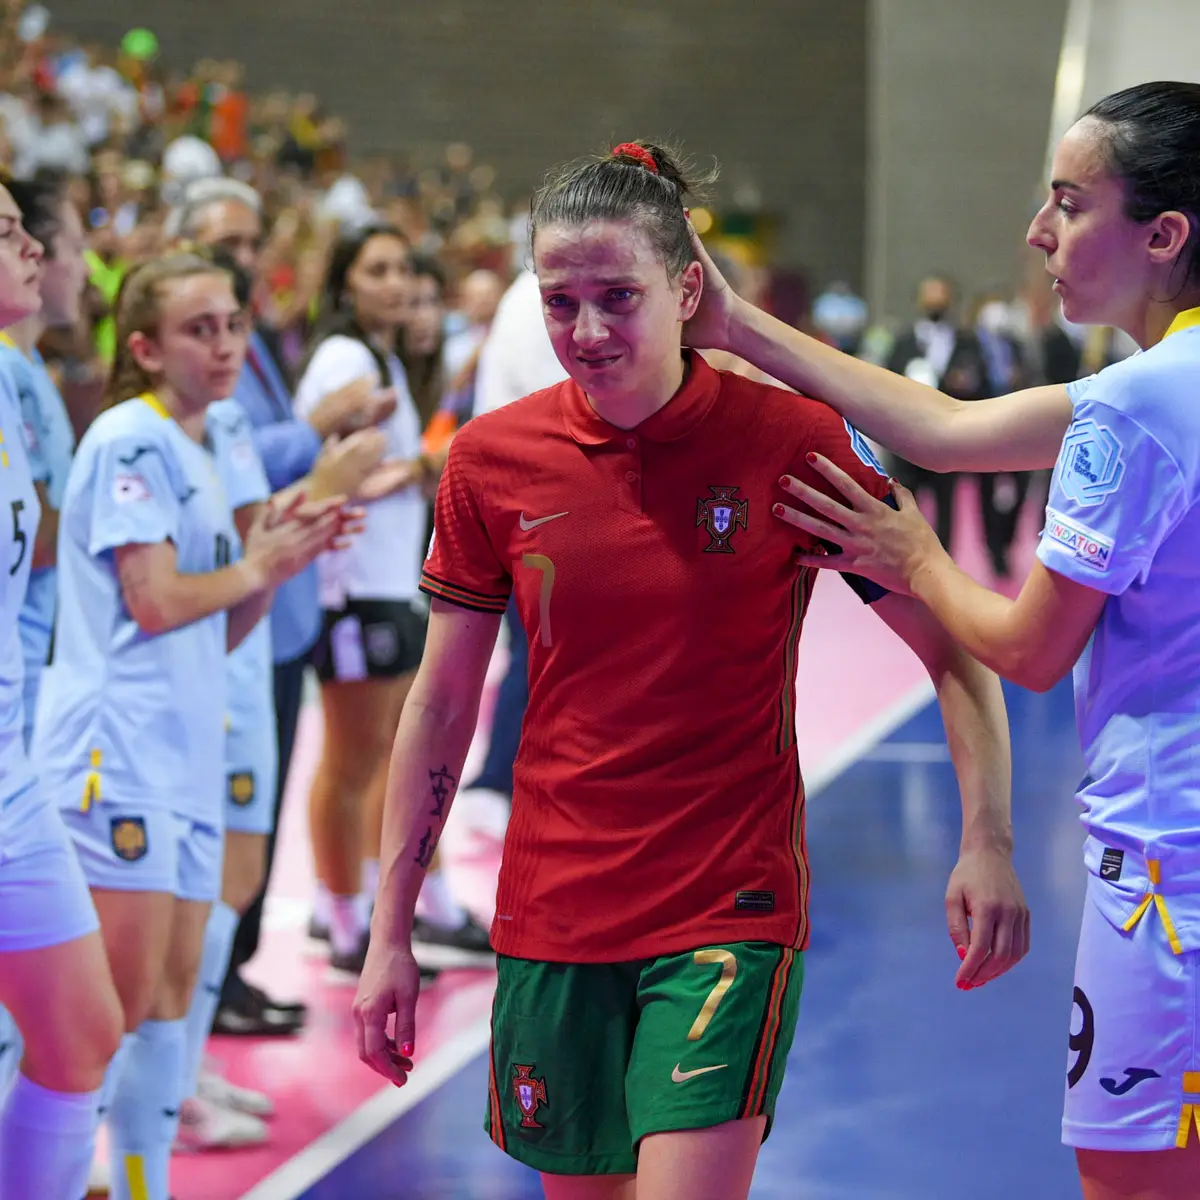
(129, 840)
(241, 787)
(722, 514)
(530, 1094)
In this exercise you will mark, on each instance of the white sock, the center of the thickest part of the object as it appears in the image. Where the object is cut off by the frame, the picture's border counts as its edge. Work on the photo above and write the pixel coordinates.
(144, 1117)
(346, 925)
(437, 905)
(370, 885)
(218, 945)
(12, 1046)
(370, 877)
(46, 1142)
(322, 911)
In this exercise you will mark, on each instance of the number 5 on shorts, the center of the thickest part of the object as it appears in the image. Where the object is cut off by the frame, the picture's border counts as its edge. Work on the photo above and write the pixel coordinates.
(728, 974)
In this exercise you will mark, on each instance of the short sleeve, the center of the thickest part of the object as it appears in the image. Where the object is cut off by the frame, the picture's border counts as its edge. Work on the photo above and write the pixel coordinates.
(1115, 496)
(134, 500)
(33, 428)
(336, 362)
(463, 566)
(846, 448)
(241, 469)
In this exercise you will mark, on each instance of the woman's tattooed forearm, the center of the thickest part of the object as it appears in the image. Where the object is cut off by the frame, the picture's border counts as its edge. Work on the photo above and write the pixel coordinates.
(441, 785)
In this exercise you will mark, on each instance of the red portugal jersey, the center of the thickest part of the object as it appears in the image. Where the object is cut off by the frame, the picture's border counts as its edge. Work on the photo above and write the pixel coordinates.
(658, 804)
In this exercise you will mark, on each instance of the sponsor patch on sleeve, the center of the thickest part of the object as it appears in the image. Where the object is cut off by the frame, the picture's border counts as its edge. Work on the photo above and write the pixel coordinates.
(1091, 463)
(129, 488)
(1082, 543)
(863, 450)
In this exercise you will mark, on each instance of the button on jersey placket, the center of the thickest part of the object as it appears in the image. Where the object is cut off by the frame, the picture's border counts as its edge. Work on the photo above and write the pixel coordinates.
(630, 485)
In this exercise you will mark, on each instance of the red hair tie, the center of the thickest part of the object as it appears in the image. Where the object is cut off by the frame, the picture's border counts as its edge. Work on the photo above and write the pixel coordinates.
(638, 153)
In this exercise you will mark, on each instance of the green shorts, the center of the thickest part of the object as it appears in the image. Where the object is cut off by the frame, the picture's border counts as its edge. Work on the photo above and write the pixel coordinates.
(589, 1058)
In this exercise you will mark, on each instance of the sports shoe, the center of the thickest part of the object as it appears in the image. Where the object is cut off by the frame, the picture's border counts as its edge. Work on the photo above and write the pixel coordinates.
(318, 931)
(248, 1012)
(216, 1090)
(346, 968)
(205, 1126)
(467, 946)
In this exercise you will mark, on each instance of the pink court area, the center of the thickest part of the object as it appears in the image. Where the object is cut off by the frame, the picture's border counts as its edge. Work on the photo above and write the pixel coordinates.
(857, 683)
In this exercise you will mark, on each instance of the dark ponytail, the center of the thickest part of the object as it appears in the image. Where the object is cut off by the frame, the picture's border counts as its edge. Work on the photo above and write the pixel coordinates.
(1152, 135)
(638, 181)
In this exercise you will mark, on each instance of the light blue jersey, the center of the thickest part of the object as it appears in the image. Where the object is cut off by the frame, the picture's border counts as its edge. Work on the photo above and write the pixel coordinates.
(50, 443)
(250, 750)
(20, 512)
(1123, 518)
(128, 719)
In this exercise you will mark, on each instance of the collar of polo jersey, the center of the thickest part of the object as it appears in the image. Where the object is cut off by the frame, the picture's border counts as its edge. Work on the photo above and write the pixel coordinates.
(151, 400)
(677, 418)
(1188, 319)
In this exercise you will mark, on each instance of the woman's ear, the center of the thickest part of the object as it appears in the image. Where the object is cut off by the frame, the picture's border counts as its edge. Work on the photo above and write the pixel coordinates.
(146, 353)
(691, 288)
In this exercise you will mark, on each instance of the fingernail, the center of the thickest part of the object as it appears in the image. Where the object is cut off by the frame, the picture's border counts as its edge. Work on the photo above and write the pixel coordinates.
(785, 481)
(810, 458)
(962, 953)
(778, 510)
(407, 1049)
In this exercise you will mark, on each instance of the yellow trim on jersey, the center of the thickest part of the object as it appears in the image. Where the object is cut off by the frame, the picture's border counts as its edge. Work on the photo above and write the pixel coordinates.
(135, 1176)
(91, 784)
(1189, 1114)
(3, 452)
(1188, 319)
(1154, 868)
(6, 340)
(155, 403)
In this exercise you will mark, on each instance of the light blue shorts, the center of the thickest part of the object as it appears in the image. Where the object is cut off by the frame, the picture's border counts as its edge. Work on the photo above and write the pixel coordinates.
(252, 775)
(126, 848)
(44, 898)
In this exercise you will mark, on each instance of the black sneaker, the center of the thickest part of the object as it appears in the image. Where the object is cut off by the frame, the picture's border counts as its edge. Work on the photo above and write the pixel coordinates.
(295, 1007)
(316, 931)
(352, 963)
(247, 1012)
(467, 946)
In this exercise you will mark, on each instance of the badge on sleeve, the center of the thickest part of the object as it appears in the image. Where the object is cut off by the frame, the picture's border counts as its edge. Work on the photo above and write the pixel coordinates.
(128, 489)
(862, 450)
(1091, 463)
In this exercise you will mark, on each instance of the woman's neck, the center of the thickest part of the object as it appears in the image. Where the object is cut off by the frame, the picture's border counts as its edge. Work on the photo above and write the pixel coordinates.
(187, 416)
(383, 339)
(627, 412)
(1152, 323)
(25, 334)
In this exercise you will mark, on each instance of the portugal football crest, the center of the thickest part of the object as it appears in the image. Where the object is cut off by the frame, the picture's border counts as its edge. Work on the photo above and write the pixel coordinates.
(530, 1094)
(721, 515)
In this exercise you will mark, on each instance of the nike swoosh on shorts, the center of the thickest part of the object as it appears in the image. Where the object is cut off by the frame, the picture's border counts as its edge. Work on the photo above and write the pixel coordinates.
(678, 1076)
(527, 525)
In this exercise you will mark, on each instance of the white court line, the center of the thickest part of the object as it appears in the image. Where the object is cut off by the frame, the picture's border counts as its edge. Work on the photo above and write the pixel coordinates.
(373, 1116)
(870, 735)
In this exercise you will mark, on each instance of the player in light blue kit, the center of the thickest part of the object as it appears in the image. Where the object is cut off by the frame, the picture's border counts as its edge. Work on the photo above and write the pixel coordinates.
(54, 979)
(49, 441)
(1116, 593)
(130, 737)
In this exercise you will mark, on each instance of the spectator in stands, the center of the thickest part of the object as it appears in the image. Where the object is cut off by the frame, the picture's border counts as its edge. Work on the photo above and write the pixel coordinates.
(936, 350)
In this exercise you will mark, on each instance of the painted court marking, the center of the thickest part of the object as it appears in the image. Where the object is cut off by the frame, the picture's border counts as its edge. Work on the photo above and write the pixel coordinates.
(388, 1105)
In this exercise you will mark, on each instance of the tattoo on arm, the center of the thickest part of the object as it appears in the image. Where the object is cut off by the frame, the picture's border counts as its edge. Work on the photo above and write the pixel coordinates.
(441, 783)
(427, 848)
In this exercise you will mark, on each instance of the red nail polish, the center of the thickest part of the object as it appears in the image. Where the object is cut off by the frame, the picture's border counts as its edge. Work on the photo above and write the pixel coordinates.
(811, 458)
(784, 480)
(962, 953)
(407, 1049)
(778, 510)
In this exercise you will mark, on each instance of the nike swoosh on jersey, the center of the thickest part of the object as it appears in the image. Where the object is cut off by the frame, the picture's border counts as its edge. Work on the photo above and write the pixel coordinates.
(527, 525)
(678, 1076)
